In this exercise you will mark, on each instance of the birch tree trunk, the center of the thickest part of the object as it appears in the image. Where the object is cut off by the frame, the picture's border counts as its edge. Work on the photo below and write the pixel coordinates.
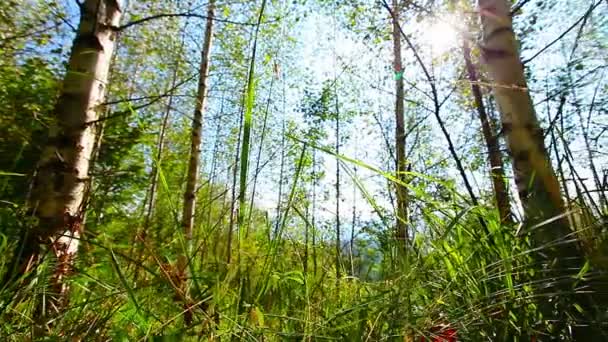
(497, 173)
(197, 127)
(537, 184)
(58, 195)
(400, 190)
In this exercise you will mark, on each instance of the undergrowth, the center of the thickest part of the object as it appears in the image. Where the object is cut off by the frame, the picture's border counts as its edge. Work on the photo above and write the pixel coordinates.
(454, 276)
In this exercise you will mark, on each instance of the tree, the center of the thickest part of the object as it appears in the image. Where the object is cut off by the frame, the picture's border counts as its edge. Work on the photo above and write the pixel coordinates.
(60, 187)
(497, 174)
(538, 187)
(401, 164)
(197, 127)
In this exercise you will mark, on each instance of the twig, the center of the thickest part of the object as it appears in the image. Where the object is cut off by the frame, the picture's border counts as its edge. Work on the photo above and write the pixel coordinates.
(584, 17)
(183, 14)
(518, 6)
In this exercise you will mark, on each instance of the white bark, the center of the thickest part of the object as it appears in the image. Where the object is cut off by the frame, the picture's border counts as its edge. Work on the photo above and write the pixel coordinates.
(538, 187)
(60, 186)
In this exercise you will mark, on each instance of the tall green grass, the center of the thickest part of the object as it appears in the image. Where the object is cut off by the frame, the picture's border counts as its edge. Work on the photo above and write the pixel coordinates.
(484, 285)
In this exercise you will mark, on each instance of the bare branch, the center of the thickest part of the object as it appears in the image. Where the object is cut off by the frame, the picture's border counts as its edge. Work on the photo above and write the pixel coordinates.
(183, 14)
(136, 108)
(518, 7)
(583, 18)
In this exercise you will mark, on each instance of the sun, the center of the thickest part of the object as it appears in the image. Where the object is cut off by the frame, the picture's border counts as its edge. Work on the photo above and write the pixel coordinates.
(440, 35)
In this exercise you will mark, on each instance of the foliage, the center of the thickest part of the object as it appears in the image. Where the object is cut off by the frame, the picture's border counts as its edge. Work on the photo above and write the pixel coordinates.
(322, 64)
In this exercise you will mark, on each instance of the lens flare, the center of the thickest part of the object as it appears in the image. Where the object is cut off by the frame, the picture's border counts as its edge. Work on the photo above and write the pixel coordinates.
(441, 35)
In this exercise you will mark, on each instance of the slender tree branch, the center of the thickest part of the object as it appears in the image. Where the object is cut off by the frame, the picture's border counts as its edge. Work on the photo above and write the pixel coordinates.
(136, 108)
(184, 14)
(518, 7)
(28, 34)
(572, 86)
(584, 17)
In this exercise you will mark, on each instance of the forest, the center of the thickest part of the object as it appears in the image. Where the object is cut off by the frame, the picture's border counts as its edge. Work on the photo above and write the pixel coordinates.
(304, 170)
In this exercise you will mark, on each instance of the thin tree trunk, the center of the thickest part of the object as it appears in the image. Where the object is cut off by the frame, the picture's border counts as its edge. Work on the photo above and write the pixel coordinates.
(569, 157)
(195, 154)
(585, 128)
(160, 146)
(560, 169)
(437, 113)
(150, 199)
(211, 192)
(259, 157)
(282, 166)
(197, 127)
(585, 133)
(401, 233)
(352, 228)
(160, 143)
(233, 189)
(60, 185)
(338, 249)
(497, 174)
(314, 211)
(306, 239)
